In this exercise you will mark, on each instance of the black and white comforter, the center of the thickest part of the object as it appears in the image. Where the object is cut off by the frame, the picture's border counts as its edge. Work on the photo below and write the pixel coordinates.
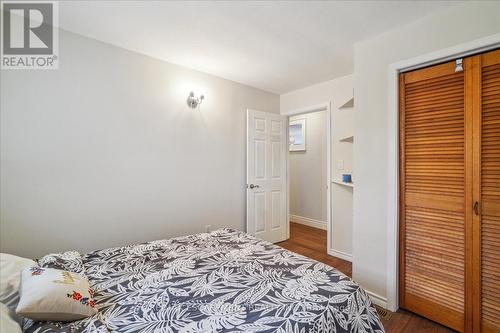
(212, 282)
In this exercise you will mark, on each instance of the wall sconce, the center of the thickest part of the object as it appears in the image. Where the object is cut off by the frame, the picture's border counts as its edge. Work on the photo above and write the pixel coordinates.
(193, 102)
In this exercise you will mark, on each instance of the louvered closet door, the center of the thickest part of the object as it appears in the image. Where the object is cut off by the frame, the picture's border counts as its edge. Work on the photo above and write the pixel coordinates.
(432, 191)
(490, 191)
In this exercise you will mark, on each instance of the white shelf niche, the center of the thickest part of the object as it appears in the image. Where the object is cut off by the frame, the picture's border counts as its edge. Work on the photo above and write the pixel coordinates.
(347, 139)
(347, 105)
(339, 182)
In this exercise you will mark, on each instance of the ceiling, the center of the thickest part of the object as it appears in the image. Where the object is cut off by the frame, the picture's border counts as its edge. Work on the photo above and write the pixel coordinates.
(276, 46)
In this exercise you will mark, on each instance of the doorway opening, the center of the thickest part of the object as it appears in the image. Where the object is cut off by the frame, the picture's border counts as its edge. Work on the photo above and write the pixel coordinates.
(309, 155)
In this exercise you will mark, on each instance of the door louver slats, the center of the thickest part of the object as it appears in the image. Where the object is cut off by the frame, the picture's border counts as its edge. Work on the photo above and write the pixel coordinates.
(433, 169)
(490, 198)
(449, 212)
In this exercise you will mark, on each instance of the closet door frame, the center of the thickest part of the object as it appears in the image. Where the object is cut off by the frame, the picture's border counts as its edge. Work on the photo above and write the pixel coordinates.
(461, 50)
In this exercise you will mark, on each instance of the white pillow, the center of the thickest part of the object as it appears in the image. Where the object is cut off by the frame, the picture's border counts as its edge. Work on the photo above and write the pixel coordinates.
(10, 276)
(7, 323)
(54, 295)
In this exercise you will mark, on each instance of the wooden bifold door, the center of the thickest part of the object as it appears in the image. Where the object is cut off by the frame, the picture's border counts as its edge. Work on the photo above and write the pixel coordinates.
(449, 251)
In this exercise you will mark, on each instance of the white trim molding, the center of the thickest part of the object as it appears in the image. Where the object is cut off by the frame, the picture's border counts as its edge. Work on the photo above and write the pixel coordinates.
(458, 51)
(340, 254)
(377, 299)
(309, 222)
(308, 109)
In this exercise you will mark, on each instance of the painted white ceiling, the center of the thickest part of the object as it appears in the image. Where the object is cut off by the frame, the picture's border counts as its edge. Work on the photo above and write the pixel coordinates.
(274, 46)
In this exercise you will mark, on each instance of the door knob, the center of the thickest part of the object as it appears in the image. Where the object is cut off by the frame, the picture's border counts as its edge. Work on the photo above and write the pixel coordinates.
(253, 186)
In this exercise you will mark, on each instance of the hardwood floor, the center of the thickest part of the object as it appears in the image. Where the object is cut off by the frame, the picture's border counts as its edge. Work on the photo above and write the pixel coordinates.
(311, 242)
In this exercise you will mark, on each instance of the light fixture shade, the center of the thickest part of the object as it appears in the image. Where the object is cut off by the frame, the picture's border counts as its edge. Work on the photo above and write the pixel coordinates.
(193, 101)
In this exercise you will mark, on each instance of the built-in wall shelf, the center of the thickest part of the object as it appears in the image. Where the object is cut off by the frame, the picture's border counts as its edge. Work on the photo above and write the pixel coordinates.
(348, 104)
(347, 139)
(339, 182)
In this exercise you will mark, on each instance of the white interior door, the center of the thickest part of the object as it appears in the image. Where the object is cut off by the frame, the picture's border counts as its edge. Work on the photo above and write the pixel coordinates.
(266, 175)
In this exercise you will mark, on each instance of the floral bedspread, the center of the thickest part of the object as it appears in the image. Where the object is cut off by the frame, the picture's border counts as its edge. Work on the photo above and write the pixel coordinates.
(223, 281)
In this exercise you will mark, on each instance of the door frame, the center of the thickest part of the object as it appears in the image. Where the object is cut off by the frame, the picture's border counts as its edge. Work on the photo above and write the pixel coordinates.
(328, 123)
(394, 69)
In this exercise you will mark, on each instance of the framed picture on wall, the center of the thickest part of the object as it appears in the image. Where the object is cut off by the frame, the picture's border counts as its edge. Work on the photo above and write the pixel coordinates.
(297, 132)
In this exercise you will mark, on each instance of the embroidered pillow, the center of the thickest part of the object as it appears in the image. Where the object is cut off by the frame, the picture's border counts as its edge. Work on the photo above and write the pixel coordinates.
(54, 295)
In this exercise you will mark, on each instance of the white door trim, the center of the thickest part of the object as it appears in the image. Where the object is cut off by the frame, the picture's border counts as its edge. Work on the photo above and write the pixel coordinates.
(309, 109)
(458, 51)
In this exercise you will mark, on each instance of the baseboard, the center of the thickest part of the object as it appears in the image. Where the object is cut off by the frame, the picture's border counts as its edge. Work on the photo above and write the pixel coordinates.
(377, 299)
(307, 221)
(340, 254)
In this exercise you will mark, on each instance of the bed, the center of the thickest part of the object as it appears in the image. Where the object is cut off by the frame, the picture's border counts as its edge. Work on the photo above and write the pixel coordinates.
(223, 281)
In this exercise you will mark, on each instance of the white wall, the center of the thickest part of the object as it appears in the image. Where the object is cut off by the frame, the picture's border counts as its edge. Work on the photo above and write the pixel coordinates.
(104, 151)
(308, 172)
(303, 98)
(443, 29)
